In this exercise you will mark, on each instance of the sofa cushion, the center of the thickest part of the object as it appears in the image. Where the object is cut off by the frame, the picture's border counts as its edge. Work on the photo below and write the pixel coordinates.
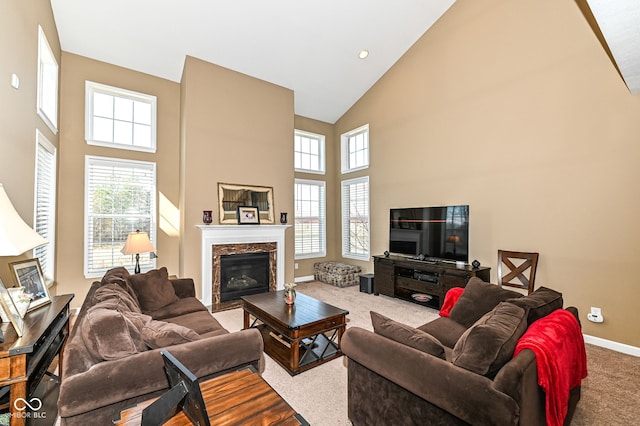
(201, 322)
(486, 346)
(478, 298)
(160, 334)
(406, 335)
(109, 334)
(180, 307)
(154, 290)
(445, 330)
(540, 303)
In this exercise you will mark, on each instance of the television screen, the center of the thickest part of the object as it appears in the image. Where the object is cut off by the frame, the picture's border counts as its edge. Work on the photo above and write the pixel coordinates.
(435, 232)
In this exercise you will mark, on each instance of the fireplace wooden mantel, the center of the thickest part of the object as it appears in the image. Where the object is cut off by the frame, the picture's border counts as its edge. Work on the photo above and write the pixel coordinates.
(239, 234)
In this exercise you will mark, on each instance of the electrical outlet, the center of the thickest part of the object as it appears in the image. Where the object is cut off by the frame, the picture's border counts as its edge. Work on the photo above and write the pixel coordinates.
(595, 315)
(295, 266)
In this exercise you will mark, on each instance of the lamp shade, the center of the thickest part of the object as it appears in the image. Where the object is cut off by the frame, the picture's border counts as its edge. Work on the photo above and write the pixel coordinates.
(137, 242)
(16, 236)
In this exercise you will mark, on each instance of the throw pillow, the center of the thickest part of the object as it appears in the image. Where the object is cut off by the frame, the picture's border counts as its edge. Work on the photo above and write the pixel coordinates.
(120, 299)
(154, 290)
(109, 335)
(540, 303)
(406, 335)
(119, 276)
(160, 334)
(489, 343)
(477, 299)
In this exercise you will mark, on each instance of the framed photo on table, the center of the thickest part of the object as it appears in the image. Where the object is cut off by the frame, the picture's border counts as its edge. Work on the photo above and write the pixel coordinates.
(10, 310)
(28, 275)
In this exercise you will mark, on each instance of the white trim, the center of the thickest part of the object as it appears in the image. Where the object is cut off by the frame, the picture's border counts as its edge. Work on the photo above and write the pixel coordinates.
(44, 53)
(614, 346)
(321, 148)
(304, 279)
(344, 219)
(344, 149)
(238, 234)
(91, 160)
(92, 87)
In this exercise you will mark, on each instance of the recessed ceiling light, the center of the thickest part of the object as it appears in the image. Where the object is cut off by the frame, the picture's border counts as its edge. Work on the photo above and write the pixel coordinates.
(363, 54)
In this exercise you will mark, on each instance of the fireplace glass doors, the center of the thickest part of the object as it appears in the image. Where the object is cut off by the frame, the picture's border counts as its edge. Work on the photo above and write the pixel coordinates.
(243, 274)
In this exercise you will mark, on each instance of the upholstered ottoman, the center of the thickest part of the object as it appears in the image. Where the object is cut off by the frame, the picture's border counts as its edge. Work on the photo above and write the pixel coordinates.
(336, 273)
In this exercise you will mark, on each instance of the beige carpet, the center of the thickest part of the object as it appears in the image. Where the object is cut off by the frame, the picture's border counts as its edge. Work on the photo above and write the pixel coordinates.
(320, 394)
(610, 395)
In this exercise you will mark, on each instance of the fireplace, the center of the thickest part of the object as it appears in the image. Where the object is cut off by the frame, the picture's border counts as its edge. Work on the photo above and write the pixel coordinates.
(243, 274)
(241, 269)
(222, 240)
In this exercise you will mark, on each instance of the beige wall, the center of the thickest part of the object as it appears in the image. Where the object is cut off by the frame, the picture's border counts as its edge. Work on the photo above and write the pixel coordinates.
(19, 120)
(305, 266)
(235, 129)
(491, 81)
(514, 108)
(73, 149)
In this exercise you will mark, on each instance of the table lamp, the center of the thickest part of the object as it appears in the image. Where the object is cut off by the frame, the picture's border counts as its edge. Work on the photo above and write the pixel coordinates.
(16, 237)
(137, 242)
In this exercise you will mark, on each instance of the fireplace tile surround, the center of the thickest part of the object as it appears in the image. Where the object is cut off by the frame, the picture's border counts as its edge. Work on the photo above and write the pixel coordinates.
(221, 239)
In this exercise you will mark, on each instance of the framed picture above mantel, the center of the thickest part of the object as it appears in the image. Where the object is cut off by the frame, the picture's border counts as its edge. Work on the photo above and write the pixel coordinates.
(233, 196)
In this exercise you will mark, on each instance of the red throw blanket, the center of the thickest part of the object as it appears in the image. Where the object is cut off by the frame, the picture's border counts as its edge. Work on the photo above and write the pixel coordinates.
(560, 357)
(450, 299)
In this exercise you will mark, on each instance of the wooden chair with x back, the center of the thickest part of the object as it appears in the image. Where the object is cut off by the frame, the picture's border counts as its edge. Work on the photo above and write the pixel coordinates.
(517, 269)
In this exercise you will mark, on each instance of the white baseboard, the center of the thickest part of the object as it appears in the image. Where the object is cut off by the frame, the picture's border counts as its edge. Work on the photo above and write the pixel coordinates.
(303, 279)
(610, 344)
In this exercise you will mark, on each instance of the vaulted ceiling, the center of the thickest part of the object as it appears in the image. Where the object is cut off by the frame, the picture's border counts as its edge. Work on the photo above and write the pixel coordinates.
(310, 47)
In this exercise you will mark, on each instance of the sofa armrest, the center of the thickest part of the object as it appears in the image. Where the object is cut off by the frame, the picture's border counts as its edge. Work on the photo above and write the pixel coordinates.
(466, 395)
(184, 287)
(110, 382)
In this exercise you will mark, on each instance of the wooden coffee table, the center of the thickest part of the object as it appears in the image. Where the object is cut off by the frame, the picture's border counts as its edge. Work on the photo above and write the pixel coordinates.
(238, 398)
(299, 336)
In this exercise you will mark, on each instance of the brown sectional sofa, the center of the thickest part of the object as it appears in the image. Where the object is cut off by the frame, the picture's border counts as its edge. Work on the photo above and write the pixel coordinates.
(112, 358)
(456, 370)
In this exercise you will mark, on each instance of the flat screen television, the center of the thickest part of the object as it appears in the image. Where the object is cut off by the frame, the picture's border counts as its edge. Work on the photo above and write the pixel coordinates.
(438, 233)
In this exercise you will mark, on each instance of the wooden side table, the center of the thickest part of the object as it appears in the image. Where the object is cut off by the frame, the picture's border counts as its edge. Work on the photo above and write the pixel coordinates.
(25, 360)
(238, 398)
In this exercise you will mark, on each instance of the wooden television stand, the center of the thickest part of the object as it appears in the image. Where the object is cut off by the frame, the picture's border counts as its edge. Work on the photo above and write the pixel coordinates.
(402, 277)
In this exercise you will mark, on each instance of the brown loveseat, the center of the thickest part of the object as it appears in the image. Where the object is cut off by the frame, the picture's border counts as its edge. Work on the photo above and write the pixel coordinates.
(455, 370)
(112, 358)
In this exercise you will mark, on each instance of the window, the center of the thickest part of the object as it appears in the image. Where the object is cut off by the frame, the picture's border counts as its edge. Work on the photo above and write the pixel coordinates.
(309, 152)
(45, 203)
(355, 149)
(355, 218)
(120, 118)
(119, 198)
(310, 219)
(47, 83)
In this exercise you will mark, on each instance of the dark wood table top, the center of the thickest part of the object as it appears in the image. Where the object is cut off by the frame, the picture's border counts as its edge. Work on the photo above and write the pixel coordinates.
(304, 311)
(238, 398)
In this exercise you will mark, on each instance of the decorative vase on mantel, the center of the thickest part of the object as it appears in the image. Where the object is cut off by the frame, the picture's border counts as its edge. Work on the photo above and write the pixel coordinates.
(289, 293)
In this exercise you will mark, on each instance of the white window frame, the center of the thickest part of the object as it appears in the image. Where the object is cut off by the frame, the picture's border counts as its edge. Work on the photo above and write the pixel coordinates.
(321, 217)
(147, 261)
(47, 91)
(92, 88)
(348, 150)
(45, 204)
(300, 153)
(347, 202)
